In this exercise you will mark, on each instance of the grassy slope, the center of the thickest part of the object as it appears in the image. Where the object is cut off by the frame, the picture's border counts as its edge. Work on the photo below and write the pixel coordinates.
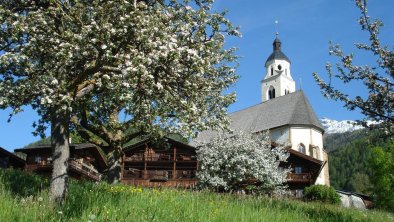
(24, 197)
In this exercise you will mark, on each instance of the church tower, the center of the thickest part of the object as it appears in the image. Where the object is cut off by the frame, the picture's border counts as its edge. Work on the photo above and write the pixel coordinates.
(278, 80)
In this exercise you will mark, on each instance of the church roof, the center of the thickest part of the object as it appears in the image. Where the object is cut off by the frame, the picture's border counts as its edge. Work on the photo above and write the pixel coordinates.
(290, 109)
(277, 52)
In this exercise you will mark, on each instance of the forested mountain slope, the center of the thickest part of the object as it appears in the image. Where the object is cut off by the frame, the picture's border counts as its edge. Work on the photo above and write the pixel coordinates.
(349, 155)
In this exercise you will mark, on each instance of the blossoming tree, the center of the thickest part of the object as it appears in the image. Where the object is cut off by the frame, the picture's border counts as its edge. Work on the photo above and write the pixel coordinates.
(231, 162)
(162, 65)
(377, 78)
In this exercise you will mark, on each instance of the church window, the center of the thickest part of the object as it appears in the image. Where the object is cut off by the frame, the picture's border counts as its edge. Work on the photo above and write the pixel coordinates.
(301, 148)
(311, 151)
(272, 71)
(279, 67)
(286, 72)
(271, 92)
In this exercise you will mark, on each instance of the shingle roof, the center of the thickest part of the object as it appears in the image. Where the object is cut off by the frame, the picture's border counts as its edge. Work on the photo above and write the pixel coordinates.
(279, 55)
(277, 52)
(290, 109)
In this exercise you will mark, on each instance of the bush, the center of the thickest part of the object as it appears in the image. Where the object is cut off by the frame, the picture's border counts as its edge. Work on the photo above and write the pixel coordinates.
(242, 161)
(322, 193)
(21, 183)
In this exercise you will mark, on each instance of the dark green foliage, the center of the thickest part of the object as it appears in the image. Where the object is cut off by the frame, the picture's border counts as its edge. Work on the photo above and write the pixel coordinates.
(349, 162)
(335, 141)
(322, 193)
(21, 183)
(382, 165)
(75, 138)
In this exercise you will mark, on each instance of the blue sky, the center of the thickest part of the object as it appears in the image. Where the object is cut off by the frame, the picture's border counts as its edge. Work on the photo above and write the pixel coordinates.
(305, 28)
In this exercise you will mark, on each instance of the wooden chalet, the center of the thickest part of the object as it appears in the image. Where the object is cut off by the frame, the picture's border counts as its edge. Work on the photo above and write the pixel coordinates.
(304, 171)
(86, 161)
(10, 160)
(170, 164)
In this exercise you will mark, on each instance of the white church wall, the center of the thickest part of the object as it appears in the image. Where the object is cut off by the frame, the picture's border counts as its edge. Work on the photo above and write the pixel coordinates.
(286, 83)
(317, 140)
(280, 135)
(300, 135)
(279, 79)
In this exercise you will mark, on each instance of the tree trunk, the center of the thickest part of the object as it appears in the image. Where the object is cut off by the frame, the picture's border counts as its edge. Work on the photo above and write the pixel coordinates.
(61, 153)
(115, 162)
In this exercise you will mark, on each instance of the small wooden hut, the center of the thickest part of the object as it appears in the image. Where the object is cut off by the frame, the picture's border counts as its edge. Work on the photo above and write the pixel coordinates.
(10, 160)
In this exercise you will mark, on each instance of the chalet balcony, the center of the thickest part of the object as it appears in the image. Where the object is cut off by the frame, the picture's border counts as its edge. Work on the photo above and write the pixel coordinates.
(140, 157)
(75, 166)
(299, 177)
(162, 175)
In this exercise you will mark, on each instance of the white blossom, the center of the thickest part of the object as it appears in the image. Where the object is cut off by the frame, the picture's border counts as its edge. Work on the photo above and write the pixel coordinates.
(230, 162)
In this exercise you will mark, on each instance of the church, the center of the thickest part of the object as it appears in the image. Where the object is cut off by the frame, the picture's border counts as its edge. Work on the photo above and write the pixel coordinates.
(288, 115)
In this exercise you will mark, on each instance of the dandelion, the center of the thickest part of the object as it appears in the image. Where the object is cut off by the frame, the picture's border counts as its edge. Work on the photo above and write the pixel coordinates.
(92, 216)
(40, 199)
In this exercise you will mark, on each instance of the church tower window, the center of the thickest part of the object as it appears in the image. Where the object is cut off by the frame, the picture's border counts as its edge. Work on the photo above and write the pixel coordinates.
(271, 92)
(272, 71)
(279, 67)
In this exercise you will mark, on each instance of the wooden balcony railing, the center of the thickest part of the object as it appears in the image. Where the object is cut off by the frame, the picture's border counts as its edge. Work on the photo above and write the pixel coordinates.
(159, 174)
(299, 177)
(85, 169)
(74, 165)
(139, 157)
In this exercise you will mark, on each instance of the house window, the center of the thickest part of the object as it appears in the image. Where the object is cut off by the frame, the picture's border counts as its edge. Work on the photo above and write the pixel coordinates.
(297, 170)
(37, 159)
(301, 148)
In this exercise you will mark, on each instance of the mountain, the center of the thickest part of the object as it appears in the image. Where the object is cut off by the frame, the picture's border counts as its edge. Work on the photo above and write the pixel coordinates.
(350, 154)
(336, 126)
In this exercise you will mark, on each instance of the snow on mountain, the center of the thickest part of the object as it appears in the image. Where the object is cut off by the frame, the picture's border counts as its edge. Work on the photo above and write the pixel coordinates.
(335, 126)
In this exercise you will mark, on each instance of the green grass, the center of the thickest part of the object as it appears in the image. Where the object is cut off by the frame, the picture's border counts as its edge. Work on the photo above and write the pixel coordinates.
(24, 197)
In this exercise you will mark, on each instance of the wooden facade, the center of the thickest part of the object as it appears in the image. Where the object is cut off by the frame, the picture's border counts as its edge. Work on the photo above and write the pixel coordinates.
(173, 164)
(10, 160)
(304, 171)
(86, 161)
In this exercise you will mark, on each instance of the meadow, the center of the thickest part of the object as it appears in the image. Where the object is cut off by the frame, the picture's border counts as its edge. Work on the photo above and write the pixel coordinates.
(24, 197)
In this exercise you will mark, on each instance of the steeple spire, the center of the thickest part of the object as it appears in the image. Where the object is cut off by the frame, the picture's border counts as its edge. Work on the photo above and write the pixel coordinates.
(278, 80)
(277, 44)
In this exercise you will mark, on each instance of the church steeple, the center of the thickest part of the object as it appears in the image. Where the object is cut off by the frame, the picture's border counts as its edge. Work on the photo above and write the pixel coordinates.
(278, 80)
(277, 44)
